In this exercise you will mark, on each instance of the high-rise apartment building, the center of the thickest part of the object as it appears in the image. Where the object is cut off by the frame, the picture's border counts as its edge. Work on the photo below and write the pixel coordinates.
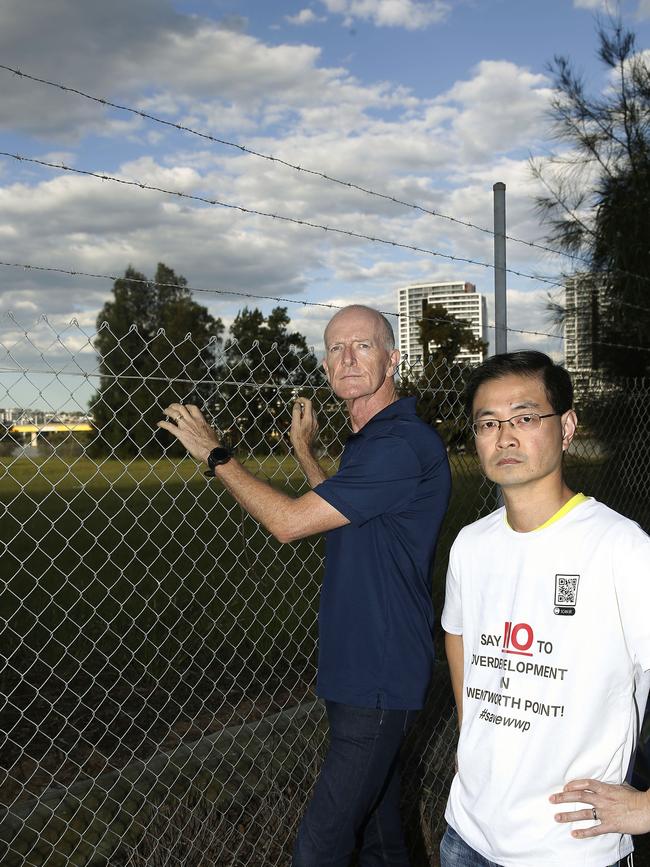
(459, 299)
(585, 304)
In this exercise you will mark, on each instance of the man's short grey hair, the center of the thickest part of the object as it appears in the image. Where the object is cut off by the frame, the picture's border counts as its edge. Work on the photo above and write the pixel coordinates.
(389, 334)
(386, 329)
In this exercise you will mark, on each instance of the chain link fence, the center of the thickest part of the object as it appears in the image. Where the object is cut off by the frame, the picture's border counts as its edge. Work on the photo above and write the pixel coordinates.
(159, 648)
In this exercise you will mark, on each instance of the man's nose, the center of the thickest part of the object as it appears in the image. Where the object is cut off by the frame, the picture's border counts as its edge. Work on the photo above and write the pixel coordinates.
(506, 436)
(349, 357)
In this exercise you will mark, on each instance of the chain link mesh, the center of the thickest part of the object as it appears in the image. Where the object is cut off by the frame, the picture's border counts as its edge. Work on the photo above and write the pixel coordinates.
(160, 647)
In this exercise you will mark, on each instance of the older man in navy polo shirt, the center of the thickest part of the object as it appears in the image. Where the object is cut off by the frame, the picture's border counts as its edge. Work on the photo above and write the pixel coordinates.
(382, 512)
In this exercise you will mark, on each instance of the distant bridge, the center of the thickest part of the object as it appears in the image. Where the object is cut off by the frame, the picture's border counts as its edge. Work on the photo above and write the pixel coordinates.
(50, 427)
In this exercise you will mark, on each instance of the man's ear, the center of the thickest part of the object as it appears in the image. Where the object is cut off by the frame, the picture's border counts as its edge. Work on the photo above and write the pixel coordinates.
(394, 362)
(569, 424)
(325, 368)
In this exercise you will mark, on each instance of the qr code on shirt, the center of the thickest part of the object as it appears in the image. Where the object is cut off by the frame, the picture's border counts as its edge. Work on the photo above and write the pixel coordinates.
(566, 589)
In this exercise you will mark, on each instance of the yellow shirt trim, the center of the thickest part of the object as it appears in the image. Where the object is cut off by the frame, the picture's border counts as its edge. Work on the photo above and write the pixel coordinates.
(575, 500)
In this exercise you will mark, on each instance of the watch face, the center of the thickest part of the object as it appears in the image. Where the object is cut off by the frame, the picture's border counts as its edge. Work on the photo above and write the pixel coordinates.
(219, 455)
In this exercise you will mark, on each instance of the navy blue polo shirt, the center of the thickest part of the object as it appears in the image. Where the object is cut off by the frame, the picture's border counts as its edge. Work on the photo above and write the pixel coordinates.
(376, 613)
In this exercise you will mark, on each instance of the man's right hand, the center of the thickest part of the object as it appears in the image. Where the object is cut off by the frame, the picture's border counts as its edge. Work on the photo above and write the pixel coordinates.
(304, 427)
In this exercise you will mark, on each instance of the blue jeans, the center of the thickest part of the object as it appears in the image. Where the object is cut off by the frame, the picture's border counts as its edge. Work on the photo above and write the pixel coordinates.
(355, 802)
(454, 852)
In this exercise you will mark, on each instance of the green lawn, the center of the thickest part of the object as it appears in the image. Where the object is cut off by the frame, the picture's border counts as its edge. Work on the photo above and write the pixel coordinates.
(143, 608)
(149, 560)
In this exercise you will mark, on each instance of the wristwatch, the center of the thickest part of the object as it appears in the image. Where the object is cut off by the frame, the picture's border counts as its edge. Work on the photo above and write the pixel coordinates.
(218, 456)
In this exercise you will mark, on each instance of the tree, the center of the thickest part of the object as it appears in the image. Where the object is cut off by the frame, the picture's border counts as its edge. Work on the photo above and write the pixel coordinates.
(440, 381)
(596, 205)
(156, 345)
(264, 366)
(444, 335)
(598, 195)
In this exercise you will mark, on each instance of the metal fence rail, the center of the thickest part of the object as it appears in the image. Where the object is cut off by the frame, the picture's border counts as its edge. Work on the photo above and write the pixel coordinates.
(159, 648)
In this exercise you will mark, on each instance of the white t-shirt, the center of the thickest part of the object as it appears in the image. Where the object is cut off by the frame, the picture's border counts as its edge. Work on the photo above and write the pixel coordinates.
(556, 635)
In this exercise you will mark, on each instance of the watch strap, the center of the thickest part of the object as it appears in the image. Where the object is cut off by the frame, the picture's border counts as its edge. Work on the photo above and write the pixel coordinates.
(217, 457)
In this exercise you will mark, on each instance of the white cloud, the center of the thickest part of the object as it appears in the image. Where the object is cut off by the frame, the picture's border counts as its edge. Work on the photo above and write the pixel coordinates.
(279, 99)
(305, 16)
(643, 10)
(527, 313)
(591, 4)
(411, 14)
(612, 7)
(500, 108)
(177, 63)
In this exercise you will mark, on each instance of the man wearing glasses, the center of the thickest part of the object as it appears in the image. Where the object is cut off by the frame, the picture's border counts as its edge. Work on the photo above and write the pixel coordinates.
(548, 642)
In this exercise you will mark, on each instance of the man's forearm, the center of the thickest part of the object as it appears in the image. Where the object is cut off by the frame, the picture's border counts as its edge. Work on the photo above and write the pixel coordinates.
(304, 428)
(263, 502)
(310, 467)
(287, 518)
(456, 661)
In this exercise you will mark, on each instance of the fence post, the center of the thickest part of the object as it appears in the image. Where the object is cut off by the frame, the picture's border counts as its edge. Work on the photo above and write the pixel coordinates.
(500, 303)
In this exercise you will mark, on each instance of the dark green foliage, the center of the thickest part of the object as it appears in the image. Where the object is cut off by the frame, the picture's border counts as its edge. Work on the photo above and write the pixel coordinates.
(440, 382)
(598, 195)
(617, 417)
(156, 345)
(444, 335)
(264, 367)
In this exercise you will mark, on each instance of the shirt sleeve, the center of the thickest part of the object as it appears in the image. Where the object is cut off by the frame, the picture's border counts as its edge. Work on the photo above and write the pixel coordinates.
(452, 613)
(382, 478)
(631, 563)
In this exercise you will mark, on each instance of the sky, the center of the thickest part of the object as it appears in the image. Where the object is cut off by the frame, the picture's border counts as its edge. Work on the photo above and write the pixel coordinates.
(427, 101)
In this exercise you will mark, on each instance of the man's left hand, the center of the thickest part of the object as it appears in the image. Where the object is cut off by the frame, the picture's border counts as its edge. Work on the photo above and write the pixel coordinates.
(304, 426)
(619, 809)
(191, 429)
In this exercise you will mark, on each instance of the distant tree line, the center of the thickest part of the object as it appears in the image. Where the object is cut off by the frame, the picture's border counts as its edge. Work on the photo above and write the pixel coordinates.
(156, 345)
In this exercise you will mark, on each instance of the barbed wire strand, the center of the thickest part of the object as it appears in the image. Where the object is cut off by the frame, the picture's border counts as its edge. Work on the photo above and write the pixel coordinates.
(279, 161)
(300, 301)
(254, 386)
(616, 302)
(293, 220)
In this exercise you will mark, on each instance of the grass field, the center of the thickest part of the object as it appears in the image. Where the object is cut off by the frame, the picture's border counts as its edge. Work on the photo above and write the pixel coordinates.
(143, 608)
(150, 561)
(142, 605)
(139, 546)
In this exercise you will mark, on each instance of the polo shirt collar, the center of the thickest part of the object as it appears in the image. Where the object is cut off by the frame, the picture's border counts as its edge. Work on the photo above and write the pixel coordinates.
(400, 408)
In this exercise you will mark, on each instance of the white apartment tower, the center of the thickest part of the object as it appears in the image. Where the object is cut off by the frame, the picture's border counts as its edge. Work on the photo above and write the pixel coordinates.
(585, 302)
(459, 299)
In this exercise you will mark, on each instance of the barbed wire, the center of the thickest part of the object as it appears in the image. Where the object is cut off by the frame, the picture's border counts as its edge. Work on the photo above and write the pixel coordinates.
(408, 363)
(279, 161)
(617, 302)
(238, 293)
(302, 302)
(113, 277)
(621, 345)
(293, 220)
(170, 380)
(332, 179)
